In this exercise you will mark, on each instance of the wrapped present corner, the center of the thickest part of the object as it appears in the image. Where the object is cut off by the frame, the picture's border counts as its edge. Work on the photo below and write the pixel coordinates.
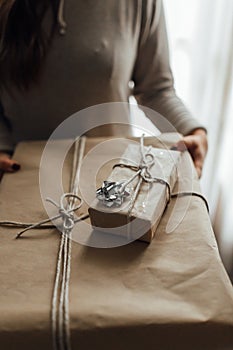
(135, 215)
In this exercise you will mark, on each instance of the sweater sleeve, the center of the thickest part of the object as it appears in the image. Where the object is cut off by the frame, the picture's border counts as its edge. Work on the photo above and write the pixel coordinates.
(6, 143)
(152, 76)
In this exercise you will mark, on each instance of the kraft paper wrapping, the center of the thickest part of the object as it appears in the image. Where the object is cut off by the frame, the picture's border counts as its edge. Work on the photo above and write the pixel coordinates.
(150, 202)
(171, 294)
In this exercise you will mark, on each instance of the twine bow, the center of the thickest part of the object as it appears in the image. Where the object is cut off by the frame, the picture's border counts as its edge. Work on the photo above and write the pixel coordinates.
(67, 214)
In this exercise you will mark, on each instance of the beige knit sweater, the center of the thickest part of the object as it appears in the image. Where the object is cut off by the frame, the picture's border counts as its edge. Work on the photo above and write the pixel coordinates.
(107, 44)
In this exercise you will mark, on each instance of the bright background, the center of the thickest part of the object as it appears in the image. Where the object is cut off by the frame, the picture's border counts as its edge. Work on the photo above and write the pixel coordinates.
(200, 34)
(201, 47)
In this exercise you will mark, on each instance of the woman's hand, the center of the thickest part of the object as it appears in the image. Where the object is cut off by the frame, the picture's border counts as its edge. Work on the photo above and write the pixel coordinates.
(197, 145)
(8, 164)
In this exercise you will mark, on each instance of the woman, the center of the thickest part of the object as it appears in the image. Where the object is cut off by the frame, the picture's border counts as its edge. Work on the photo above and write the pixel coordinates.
(49, 70)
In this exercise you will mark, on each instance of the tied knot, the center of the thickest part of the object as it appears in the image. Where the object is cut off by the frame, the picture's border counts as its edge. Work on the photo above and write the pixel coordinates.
(145, 173)
(67, 217)
(67, 208)
(147, 161)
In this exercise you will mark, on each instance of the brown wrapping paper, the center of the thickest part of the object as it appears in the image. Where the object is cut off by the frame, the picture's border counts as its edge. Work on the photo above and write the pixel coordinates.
(171, 294)
(151, 200)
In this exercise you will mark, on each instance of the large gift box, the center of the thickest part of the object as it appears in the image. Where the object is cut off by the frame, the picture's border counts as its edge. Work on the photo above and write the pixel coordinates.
(171, 294)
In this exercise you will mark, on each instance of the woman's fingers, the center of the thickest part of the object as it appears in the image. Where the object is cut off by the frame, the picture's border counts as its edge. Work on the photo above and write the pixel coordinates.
(197, 145)
(8, 164)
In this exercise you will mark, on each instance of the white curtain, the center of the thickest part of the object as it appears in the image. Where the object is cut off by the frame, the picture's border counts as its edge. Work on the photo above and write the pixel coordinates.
(201, 46)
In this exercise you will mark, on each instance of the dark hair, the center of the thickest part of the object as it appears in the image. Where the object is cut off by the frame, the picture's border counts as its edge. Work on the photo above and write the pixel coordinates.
(23, 40)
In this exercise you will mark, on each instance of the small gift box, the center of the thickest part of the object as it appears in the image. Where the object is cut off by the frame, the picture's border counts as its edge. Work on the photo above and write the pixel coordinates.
(132, 200)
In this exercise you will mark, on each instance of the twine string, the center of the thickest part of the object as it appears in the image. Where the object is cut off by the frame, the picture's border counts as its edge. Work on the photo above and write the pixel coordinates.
(60, 303)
